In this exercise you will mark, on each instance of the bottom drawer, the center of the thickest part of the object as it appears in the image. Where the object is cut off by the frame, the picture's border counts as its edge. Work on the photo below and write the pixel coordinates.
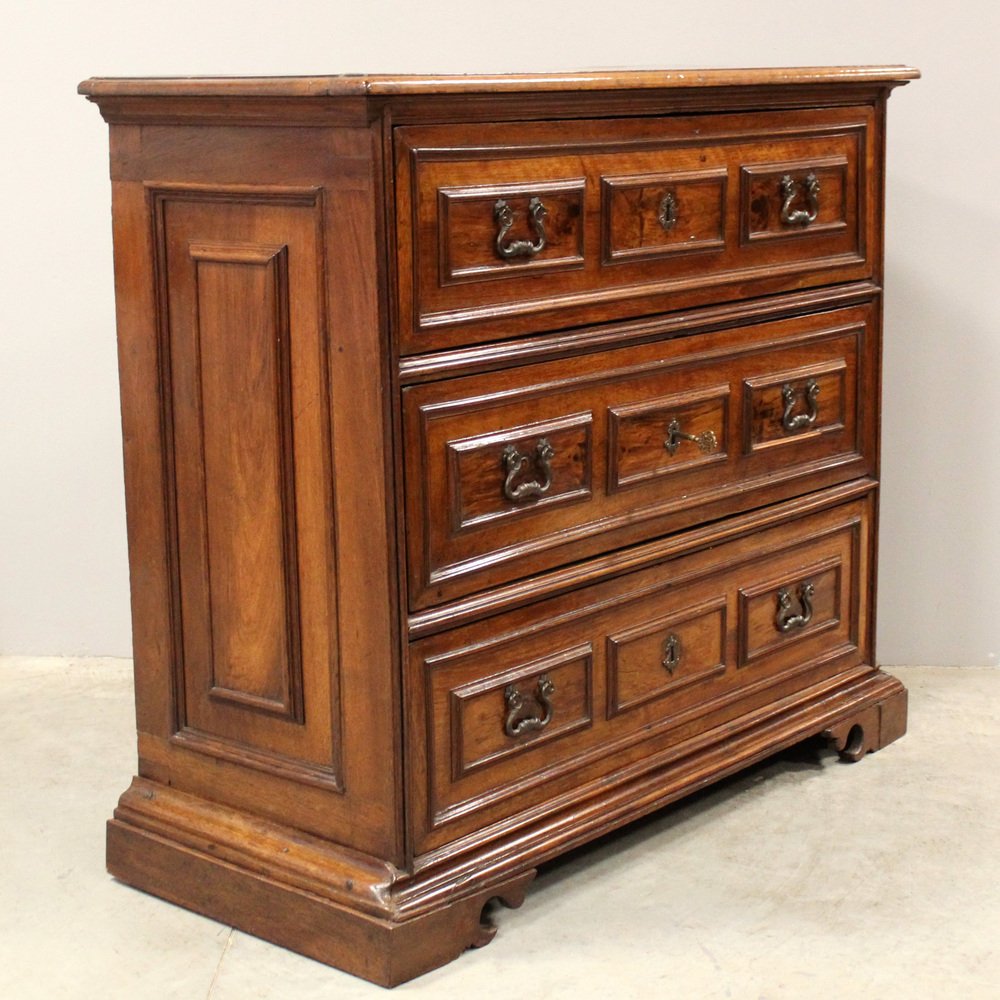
(509, 714)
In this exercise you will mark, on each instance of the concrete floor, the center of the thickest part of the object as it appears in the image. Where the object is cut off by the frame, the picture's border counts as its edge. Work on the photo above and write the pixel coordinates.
(802, 878)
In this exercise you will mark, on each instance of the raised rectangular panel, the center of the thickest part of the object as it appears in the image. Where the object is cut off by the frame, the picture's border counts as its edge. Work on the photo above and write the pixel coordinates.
(542, 700)
(249, 516)
(652, 215)
(247, 415)
(660, 657)
(774, 195)
(469, 229)
(547, 463)
(765, 605)
(645, 442)
(818, 399)
(816, 588)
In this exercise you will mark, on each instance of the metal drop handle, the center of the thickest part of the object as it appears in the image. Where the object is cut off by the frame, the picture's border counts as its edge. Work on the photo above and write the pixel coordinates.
(790, 191)
(514, 702)
(504, 216)
(706, 441)
(784, 618)
(513, 461)
(800, 421)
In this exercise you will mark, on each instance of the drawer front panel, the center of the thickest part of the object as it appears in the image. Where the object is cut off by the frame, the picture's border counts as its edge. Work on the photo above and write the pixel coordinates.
(512, 229)
(530, 706)
(511, 473)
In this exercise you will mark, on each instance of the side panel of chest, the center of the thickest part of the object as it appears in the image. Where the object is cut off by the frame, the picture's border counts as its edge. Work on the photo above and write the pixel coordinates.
(248, 404)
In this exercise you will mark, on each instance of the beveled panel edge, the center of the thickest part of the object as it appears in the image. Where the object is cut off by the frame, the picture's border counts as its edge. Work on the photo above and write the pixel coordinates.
(295, 769)
(596, 337)
(482, 645)
(567, 578)
(157, 194)
(587, 531)
(350, 84)
(812, 268)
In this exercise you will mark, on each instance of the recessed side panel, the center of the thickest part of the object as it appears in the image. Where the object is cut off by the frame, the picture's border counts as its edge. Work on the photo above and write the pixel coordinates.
(252, 608)
(247, 414)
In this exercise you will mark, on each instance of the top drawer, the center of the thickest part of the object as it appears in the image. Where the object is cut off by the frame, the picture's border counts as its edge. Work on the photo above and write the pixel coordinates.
(514, 228)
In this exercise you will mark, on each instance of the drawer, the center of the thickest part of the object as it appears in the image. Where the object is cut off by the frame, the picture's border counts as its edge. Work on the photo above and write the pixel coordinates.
(535, 704)
(511, 473)
(510, 229)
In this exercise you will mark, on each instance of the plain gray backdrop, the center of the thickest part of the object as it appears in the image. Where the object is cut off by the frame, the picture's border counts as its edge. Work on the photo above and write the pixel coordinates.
(63, 569)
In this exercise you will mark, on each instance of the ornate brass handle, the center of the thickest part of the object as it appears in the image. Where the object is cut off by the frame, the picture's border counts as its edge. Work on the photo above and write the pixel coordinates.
(784, 619)
(671, 652)
(514, 701)
(513, 461)
(504, 216)
(801, 420)
(667, 214)
(706, 441)
(790, 191)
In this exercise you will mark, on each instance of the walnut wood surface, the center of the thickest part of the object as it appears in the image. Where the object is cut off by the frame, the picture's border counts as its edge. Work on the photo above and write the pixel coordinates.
(606, 417)
(453, 288)
(444, 561)
(584, 643)
(355, 84)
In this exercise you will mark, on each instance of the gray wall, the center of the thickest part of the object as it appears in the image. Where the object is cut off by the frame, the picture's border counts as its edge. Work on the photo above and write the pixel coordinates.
(63, 572)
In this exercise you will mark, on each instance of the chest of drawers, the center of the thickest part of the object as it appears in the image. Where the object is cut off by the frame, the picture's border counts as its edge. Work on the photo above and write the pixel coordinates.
(501, 462)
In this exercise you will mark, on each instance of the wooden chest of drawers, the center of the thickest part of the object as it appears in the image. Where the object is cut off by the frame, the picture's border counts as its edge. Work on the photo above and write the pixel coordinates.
(501, 461)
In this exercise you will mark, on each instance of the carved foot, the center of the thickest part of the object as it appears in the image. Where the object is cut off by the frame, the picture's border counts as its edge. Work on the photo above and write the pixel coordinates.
(870, 729)
(512, 897)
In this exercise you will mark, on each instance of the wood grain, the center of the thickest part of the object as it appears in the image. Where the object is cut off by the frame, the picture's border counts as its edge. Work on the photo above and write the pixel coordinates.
(443, 560)
(617, 484)
(355, 84)
(745, 155)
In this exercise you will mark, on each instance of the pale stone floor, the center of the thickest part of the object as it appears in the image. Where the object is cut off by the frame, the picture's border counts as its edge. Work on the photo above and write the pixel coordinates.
(802, 878)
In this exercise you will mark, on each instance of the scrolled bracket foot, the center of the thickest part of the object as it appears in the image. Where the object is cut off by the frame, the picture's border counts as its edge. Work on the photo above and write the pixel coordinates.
(511, 898)
(855, 737)
(872, 728)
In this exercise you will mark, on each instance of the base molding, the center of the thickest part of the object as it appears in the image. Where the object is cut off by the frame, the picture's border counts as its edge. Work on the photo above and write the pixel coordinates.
(369, 918)
(379, 949)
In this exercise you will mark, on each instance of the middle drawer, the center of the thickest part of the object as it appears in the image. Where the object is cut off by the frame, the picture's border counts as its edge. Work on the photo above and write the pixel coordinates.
(511, 473)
